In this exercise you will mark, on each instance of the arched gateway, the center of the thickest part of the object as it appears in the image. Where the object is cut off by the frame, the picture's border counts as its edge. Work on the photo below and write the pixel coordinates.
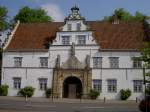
(72, 87)
(72, 78)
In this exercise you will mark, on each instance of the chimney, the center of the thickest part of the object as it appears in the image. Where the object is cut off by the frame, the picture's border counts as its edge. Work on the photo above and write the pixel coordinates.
(115, 19)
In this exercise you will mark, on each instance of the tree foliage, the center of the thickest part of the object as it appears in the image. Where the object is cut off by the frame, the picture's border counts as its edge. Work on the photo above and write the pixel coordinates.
(27, 91)
(124, 15)
(125, 94)
(4, 90)
(48, 92)
(145, 57)
(28, 15)
(93, 94)
(3, 18)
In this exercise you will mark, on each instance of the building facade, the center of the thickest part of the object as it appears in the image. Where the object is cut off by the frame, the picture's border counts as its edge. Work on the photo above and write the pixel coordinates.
(75, 56)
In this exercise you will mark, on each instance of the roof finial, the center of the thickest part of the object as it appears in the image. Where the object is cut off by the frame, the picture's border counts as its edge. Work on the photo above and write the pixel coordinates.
(75, 7)
(75, 14)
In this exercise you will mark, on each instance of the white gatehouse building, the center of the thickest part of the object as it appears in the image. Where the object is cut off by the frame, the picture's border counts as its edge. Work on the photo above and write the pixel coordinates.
(75, 56)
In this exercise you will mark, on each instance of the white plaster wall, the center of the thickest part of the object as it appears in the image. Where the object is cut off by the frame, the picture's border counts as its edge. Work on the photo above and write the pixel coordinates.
(64, 52)
(124, 79)
(74, 25)
(31, 71)
(29, 59)
(29, 77)
(74, 37)
(9, 74)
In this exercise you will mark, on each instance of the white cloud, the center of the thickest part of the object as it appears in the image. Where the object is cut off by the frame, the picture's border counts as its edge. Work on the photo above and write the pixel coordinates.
(54, 11)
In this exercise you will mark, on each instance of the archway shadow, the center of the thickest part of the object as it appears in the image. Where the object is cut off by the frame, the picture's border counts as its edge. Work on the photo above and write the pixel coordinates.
(72, 87)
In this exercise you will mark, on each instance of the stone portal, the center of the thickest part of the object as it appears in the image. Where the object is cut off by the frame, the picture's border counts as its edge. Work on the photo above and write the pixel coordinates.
(73, 78)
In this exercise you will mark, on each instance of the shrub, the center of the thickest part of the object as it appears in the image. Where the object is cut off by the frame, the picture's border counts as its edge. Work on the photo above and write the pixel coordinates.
(93, 94)
(26, 91)
(48, 92)
(144, 105)
(79, 95)
(125, 94)
(3, 90)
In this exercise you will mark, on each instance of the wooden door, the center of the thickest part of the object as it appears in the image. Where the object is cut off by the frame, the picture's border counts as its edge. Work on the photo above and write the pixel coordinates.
(72, 91)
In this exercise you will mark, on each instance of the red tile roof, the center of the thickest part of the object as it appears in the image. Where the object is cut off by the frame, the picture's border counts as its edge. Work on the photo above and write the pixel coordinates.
(32, 36)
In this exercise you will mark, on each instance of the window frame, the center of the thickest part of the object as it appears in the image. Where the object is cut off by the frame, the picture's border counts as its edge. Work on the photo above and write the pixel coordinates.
(97, 62)
(112, 60)
(112, 86)
(65, 40)
(43, 83)
(78, 26)
(137, 64)
(18, 61)
(17, 82)
(137, 86)
(69, 27)
(81, 39)
(43, 62)
(97, 85)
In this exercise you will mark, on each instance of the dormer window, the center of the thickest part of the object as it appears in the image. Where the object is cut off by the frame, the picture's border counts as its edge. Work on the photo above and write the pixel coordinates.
(65, 40)
(69, 28)
(78, 26)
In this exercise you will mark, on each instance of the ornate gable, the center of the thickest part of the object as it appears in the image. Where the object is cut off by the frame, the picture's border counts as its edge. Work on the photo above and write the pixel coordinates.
(75, 15)
(73, 62)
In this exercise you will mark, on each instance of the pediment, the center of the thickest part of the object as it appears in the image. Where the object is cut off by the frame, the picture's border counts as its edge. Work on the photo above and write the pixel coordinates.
(73, 63)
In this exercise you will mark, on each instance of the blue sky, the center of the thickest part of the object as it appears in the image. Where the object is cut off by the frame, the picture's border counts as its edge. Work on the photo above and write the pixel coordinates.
(90, 9)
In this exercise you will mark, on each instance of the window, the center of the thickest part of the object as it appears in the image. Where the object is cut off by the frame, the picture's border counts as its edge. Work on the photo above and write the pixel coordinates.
(112, 85)
(97, 62)
(44, 61)
(17, 82)
(65, 40)
(78, 26)
(81, 39)
(137, 64)
(114, 62)
(147, 86)
(69, 27)
(97, 85)
(17, 61)
(43, 83)
(138, 86)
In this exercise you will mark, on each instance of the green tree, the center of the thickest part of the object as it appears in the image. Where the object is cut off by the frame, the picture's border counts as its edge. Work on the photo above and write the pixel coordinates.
(145, 57)
(140, 17)
(28, 15)
(3, 18)
(124, 15)
(27, 91)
